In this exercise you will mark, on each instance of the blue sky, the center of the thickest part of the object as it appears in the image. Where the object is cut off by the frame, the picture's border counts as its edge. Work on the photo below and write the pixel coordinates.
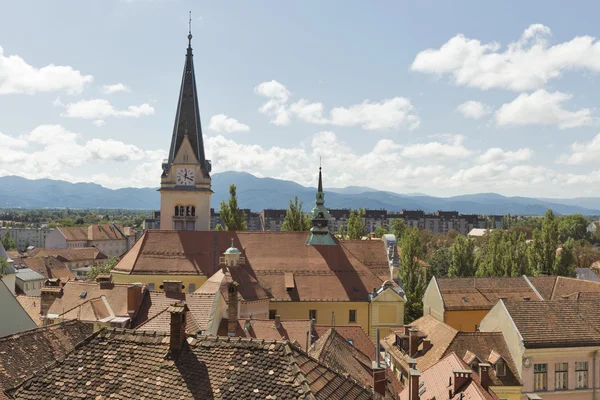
(442, 98)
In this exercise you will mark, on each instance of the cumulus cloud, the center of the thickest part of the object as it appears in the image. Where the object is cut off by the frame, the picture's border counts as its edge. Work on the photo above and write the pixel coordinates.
(394, 113)
(582, 153)
(496, 154)
(223, 123)
(16, 76)
(474, 109)
(99, 123)
(101, 108)
(11, 142)
(115, 88)
(527, 64)
(454, 148)
(542, 108)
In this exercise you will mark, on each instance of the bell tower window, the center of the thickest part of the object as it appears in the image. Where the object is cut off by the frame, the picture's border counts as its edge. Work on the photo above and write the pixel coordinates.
(177, 211)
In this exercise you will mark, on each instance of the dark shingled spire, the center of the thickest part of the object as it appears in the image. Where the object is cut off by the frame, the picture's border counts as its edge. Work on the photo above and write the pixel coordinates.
(320, 189)
(187, 118)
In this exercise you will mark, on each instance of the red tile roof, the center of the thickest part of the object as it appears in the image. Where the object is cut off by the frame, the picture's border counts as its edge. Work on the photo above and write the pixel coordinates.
(128, 364)
(25, 352)
(291, 330)
(93, 232)
(355, 333)
(249, 288)
(50, 267)
(31, 305)
(69, 255)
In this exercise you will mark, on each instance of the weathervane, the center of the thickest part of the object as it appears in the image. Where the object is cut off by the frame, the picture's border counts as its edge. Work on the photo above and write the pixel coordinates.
(190, 29)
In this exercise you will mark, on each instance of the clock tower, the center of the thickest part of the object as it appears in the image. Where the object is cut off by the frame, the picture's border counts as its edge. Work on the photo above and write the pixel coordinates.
(185, 182)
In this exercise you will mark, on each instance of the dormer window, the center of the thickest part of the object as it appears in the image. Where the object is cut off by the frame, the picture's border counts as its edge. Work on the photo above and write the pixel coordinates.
(475, 366)
(500, 368)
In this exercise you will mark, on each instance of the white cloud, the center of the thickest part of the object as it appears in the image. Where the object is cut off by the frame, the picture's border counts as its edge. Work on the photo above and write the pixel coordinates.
(582, 153)
(474, 109)
(16, 76)
(454, 148)
(99, 123)
(101, 108)
(113, 150)
(496, 154)
(115, 88)
(542, 108)
(9, 141)
(50, 135)
(394, 113)
(223, 123)
(526, 64)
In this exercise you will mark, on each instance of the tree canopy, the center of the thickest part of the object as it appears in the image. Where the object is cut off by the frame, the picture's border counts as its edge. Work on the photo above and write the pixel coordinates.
(231, 215)
(295, 219)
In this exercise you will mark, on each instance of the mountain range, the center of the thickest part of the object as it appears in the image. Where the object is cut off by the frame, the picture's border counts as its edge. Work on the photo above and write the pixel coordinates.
(263, 193)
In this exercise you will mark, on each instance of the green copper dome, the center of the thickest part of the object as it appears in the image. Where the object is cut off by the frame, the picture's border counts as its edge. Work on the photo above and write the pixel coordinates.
(232, 249)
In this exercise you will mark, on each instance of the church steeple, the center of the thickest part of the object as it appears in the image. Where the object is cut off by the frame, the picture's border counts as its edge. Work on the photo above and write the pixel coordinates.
(319, 233)
(187, 117)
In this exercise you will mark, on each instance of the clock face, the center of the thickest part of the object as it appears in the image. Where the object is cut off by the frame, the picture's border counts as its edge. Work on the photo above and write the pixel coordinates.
(185, 176)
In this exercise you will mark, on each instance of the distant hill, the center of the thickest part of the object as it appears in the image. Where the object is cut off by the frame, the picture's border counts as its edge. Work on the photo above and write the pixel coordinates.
(260, 193)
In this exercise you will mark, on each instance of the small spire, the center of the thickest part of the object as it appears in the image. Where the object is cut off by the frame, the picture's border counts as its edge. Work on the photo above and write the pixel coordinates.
(190, 31)
(231, 242)
(320, 188)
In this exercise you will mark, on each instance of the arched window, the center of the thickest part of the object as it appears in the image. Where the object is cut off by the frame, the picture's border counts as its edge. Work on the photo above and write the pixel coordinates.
(181, 211)
(193, 211)
(187, 211)
(176, 211)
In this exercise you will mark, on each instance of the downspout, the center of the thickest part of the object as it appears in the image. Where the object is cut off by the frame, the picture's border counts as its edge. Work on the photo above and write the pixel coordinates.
(594, 380)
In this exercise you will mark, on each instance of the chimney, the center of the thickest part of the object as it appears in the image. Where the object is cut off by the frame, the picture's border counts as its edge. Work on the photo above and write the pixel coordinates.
(47, 297)
(172, 287)
(462, 377)
(484, 375)
(413, 341)
(379, 379)
(177, 338)
(413, 384)
(426, 343)
(277, 321)
(232, 308)
(134, 298)
(412, 363)
(105, 281)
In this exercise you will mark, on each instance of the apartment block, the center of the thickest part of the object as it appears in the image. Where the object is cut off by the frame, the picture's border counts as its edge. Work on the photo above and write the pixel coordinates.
(25, 237)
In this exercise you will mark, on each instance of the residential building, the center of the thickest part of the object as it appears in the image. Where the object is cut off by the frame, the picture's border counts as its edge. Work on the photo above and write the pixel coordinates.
(13, 316)
(253, 220)
(153, 222)
(26, 237)
(271, 220)
(427, 341)
(450, 378)
(78, 260)
(8, 276)
(24, 353)
(49, 267)
(554, 343)
(180, 365)
(111, 239)
(29, 282)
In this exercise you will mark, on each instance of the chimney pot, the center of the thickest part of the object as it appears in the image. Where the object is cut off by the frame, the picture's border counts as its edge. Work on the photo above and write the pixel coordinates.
(462, 377)
(426, 344)
(484, 375)
(277, 321)
(178, 322)
(413, 384)
(379, 379)
(413, 341)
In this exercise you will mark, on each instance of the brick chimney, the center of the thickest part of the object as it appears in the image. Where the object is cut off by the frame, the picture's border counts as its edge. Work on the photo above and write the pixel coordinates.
(178, 322)
(134, 298)
(105, 281)
(232, 308)
(172, 287)
(47, 297)
(277, 321)
(413, 384)
(460, 378)
(379, 379)
(413, 341)
(426, 343)
(484, 375)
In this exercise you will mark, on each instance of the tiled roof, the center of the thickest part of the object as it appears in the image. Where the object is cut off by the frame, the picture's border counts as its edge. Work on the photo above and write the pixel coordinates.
(31, 305)
(69, 255)
(249, 288)
(26, 352)
(487, 347)
(557, 323)
(26, 274)
(544, 285)
(335, 351)
(93, 232)
(49, 267)
(568, 286)
(434, 381)
(291, 330)
(327, 273)
(482, 293)
(127, 364)
(355, 333)
(152, 315)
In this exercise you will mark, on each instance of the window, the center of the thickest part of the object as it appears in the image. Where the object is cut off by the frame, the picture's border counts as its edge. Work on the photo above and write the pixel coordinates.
(500, 368)
(151, 287)
(475, 366)
(581, 375)
(272, 314)
(352, 316)
(540, 377)
(561, 374)
(192, 288)
(312, 314)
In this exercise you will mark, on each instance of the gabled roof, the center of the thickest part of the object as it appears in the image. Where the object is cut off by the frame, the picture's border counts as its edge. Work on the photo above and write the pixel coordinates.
(327, 273)
(49, 267)
(131, 365)
(353, 333)
(557, 323)
(68, 255)
(93, 232)
(25, 352)
(291, 330)
(433, 382)
(249, 288)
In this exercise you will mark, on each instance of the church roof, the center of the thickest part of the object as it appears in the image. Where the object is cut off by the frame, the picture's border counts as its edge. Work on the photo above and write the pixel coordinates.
(187, 117)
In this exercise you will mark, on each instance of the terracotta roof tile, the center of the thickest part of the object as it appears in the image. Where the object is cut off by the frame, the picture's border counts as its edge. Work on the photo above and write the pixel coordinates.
(249, 288)
(31, 305)
(291, 330)
(356, 334)
(50, 267)
(93, 232)
(544, 285)
(26, 352)
(127, 364)
(69, 255)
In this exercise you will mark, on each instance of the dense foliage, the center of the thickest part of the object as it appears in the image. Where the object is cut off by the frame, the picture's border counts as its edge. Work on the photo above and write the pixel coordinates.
(71, 217)
(295, 219)
(232, 217)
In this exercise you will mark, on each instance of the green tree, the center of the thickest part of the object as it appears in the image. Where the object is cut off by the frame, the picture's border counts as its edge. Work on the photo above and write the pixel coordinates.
(398, 227)
(535, 252)
(380, 231)
(440, 261)
(516, 259)
(295, 219)
(491, 255)
(231, 215)
(3, 266)
(585, 254)
(8, 242)
(549, 241)
(356, 226)
(564, 263)
(463, 257)
(412, 275)
(102, 269)
(572, 226)
(341, 232)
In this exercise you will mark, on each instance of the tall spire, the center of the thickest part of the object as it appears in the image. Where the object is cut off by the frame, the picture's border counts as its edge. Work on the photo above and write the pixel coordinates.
(319, 233)
(187, 117)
